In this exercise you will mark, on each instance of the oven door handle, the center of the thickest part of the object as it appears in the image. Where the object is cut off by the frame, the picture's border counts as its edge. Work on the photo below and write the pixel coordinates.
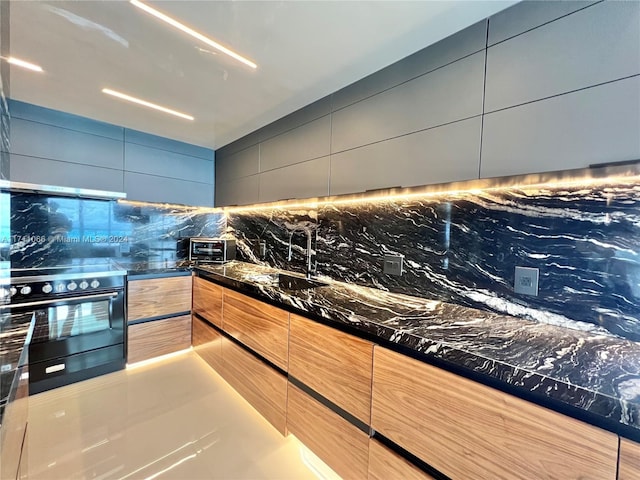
(57, 300)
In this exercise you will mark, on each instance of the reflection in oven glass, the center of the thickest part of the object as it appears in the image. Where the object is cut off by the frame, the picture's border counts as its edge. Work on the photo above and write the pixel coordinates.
(70, 320)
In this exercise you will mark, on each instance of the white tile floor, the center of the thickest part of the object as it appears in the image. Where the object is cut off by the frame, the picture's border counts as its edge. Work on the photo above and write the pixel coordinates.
(176, 419)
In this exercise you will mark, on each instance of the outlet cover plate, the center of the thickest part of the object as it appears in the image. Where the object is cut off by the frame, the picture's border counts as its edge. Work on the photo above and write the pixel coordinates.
(393, 264)
(526, 281)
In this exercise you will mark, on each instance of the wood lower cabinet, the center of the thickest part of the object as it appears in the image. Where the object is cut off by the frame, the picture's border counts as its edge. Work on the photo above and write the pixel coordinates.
(629, 468)
(260, 326)
(334, 364)
(207, 300)
(207, 342)
(156, 297)
(337, 442)
(262, 386)
(468, 430)
(151, 339)
(385, 464)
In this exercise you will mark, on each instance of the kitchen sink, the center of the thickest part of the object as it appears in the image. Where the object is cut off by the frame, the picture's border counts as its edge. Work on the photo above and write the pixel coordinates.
(291, 282)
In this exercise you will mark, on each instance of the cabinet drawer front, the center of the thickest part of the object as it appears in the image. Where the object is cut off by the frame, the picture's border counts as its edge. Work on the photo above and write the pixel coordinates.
(260, 385)
(151, 339)
(207, 342)
(261, 327)
(207, 300)
(337, 442)
(468, 430)
(385, 464)
(158, 296)
(629, 460)
(334, 364)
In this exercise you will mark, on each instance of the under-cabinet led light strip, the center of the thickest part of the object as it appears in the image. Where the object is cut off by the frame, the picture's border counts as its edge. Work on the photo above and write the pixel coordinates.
(24, 64)
(392, 197)
(144, 363)
(180, 26)
(144, 103)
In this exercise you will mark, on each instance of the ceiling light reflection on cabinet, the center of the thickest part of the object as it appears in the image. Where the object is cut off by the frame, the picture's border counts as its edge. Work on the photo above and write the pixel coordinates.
(144, 103)
(176, 24)
(24, 64)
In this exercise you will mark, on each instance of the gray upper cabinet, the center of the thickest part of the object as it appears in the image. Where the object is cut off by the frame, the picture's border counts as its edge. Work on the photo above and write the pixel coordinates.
(459, 45)
(598, 44)
(240, 164)
(443, 154)
(45, 171)
(238, 191)
(302, 180)
(307, 114)
(530, 14)
(538, 87)
(150, 188)
(39, 140)
(311, 140)
(57, 148)
(450, 93)
(47, 116)
(163, 163)
(168, 144)
(591, 126)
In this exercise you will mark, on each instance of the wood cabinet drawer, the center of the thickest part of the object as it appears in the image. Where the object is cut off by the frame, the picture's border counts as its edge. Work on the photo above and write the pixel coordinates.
(385, 464)
(629, 460)
(207, 342)
(158, 296)
(207, 300)
(260, 385)
(334, 364)
(468, 430)
(337, 442)
(259, 326)
(151, 339)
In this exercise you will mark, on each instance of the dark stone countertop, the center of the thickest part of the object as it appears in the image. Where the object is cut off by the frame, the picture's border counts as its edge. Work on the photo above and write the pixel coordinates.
(137, 270)
(587, 374)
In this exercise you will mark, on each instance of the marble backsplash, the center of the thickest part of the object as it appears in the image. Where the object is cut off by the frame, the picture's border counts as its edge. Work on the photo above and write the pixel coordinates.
(47, 230)
(463, 248)
(460, 248)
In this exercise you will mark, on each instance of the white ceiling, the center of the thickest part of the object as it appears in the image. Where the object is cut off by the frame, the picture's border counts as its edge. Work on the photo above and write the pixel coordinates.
(304, 51)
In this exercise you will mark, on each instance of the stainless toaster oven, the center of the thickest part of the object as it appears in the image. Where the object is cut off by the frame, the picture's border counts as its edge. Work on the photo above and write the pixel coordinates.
(211, 250)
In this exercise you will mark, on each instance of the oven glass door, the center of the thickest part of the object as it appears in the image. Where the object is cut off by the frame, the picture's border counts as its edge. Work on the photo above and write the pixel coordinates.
(74, 325)
(72, 319)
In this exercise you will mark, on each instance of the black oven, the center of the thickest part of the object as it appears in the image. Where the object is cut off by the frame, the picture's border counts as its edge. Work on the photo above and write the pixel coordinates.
(78, 316)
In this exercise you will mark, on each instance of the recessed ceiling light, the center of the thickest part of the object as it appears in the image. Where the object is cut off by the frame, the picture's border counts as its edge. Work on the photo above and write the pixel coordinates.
(129, 98)
(23, 64)
(193, 33)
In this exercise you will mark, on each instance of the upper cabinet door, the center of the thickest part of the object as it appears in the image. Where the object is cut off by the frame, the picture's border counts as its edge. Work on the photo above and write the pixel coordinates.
(564, 95)
(448, 94)
(589, 47)
(595, 125)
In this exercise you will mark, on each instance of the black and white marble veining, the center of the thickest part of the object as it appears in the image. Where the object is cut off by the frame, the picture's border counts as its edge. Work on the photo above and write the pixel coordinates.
(463, 248)
(46, 230)
(273, 227)
(590, 372)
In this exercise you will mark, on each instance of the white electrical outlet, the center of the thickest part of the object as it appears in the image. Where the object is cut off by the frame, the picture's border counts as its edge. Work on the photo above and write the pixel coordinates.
(526, 281)
(392, 264)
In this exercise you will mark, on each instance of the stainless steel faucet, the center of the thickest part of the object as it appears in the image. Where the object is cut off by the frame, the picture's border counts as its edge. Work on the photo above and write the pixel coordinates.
(308, 232)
